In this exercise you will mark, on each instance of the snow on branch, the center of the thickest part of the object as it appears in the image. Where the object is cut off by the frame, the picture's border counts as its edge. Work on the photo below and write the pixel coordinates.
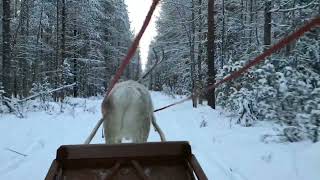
(11, 106)
(294, 8)
(11, 150)
(47, 92)
(14, 105)
(154, 65)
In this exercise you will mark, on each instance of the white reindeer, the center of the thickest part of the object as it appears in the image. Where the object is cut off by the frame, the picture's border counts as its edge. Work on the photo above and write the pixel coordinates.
(127, 113)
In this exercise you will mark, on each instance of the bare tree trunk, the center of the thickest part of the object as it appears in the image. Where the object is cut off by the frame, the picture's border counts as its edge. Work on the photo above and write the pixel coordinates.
(251, 21)
(267, 24)
(63, 45)
(15, 80)
(25, 16)
(15, 8)
(127, 71)
(210, 51)
(63, 33)
(222, 36)
(256, 24)
(156, 81)
(26, 72)
(75, 70)
(138, 67)
(200, 51)
(35, 67)
(290, 46)
(245, 24)
(151, 81)
(57, 60)
(6, 49)
(192, 57)
(242, 17)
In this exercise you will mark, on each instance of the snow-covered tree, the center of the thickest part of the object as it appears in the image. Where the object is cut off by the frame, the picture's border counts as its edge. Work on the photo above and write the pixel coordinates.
(283, 89)
(63, 42)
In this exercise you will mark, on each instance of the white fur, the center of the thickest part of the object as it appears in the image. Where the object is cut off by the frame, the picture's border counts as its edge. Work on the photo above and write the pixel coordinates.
(127, 113)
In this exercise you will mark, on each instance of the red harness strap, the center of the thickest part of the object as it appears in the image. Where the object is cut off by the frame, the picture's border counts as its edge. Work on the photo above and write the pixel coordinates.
(134, 46)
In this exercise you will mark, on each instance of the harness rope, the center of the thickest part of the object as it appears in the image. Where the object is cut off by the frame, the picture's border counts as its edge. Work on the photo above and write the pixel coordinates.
(134, 45)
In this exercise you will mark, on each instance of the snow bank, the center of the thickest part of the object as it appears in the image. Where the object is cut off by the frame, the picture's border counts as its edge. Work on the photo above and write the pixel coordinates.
(224, 150)
(309, 162)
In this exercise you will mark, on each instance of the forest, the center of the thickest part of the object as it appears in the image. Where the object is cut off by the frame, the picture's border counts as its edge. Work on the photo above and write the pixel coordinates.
(47, 44)
(54, 49)
(285, 89)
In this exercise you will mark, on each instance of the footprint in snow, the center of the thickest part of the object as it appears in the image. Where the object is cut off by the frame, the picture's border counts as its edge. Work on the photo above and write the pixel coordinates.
(267, 157)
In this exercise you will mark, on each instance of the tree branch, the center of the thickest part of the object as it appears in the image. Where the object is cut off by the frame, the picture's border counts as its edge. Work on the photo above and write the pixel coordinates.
(154, 65)
(294, 8)
(46, 92)
(16, 152)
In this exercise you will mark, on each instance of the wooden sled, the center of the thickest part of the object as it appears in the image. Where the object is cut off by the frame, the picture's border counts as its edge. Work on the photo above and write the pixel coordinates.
(146, 161)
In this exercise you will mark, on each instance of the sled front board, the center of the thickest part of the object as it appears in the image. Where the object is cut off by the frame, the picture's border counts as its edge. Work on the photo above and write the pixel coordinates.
(147, 161)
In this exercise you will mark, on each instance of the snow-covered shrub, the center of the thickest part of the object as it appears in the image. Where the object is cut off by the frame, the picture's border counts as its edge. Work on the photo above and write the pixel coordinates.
(243, 101)
(43, 89)
(169, 91)
(238, 96)
(284, 89)
(293, 134)
(315, 121)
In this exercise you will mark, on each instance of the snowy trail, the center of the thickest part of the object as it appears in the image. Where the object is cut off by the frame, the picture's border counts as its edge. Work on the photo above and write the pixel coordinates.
(184, 130)
(15, 162)
(225, 152)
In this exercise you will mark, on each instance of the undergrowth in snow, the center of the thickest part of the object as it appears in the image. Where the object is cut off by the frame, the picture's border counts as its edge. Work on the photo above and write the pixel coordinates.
(226, 151)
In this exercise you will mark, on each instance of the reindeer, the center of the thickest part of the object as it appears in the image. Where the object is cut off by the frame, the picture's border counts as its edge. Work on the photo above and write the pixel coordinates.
(127, 112)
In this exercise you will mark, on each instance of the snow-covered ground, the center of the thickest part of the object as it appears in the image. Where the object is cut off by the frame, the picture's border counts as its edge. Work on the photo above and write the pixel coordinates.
(225, 151)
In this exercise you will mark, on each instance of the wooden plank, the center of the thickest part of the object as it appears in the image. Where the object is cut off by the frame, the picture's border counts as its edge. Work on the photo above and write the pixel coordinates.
(53, 170)
(197, 168)
(145, 150)
(114, 170)
(164, 160)
(139, 170)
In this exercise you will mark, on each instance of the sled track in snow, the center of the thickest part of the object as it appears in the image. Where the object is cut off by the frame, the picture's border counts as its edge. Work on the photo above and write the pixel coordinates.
(18, 160)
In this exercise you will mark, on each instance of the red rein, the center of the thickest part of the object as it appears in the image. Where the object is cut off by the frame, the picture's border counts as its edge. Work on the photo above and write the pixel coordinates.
(134, 46)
